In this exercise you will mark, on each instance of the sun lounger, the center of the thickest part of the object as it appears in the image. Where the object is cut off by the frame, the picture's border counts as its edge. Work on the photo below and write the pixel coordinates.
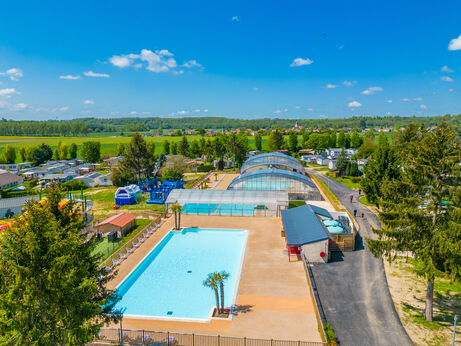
(140, 240)
(135, 245)
(145, 235)
(115, 262)
(107, 269)
(150, 231)
(129, 250)
(122, 257)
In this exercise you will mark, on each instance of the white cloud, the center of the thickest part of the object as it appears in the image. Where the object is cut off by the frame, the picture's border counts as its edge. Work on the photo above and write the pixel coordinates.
(158, 61)
(68, 76)
(196, 110)
(301, 62)
(205, 110)
(310, 109)
(423, 106)
(331, 86)
(451, 90)
(405, 100)
(418, 99)
(372, 90)
(88, 102)
(64, 108)
(447, 79)
(354, 104)
(446, 69)
(255, 89)
(297, 107)
(7, 92)
(177, 71)
(235, 19)
(278, 111)
(19, 106)
(13, 73)
(388, 113)
(94, 74)
(133, 112)
(349, 83)
(455, 44)
(389, 101)
(181, 112)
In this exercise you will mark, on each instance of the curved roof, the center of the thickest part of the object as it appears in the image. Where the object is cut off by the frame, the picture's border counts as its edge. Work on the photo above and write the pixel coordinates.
(274, 158)
(274, 172)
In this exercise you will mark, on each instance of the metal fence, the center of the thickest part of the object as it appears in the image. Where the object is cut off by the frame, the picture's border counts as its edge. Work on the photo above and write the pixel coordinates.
(143, 337)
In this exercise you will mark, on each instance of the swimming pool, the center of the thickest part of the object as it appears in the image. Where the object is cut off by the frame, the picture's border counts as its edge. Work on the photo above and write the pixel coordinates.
(218, 209)
(167, 284)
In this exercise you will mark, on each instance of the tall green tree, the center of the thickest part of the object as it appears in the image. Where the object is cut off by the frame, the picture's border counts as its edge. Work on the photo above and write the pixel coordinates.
(421, 211)
(184, 146)
(293, 141)
(23, 154)
(52, 290)
(212, 282)
(222, 277)
(9, 154)
(63, 152)
(138, 160)
(73, 151)
(275, 140)
(258, 141)
(237, 147)
(356, 140)
(342, 140)
(121, 149)
(367, 149)
(342, 163)
(91, 151)
(174, 148)
(166, 147)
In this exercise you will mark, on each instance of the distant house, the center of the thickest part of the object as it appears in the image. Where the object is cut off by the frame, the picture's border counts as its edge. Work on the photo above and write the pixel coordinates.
(13, 206)
(8, 179)
(120, 223)
(14, 167)
(332, 165)
(351, 151)
(333, 152)
(96, 179)
(361, 163)
(58, 177)
(113, 161)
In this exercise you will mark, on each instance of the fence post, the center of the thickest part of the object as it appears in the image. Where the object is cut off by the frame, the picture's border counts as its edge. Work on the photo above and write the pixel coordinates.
(219, 341)
(168, 338)
(119, 336)
(143, 336)
(271, 342)
(244, 341)
(193, 339)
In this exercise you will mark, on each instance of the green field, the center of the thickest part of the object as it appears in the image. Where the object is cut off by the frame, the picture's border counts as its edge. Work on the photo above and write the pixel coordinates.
(108, 143)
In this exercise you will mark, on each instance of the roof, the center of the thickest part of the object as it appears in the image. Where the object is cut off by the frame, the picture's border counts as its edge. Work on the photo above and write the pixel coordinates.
(302, 226)
(8, 178)
(6, 203)
(119, 220)
(273, 172)
(269, 159)
(182, 196)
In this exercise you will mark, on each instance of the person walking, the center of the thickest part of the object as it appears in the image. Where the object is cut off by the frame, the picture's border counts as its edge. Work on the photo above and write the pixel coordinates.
(360, 191)
(355, 212)
(362, 215)
(352, 197)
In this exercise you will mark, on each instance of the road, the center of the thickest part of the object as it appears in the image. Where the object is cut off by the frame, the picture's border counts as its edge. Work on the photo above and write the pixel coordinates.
(353, 287)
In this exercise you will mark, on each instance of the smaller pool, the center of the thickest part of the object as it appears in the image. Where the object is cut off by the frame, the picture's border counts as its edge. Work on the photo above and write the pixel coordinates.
(330, 223)
(219, 209)
(335, 229)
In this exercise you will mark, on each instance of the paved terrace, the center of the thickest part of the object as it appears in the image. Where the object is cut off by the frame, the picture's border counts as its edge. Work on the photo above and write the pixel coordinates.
(273, 299)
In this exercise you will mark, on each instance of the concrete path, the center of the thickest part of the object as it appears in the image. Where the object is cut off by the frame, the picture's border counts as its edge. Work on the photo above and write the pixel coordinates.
(353, 288)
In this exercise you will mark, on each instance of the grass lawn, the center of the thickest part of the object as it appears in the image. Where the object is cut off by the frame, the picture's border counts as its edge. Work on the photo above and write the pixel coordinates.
(408, 293)
(106, 248)
(327, 190)
(364, 200)
(347, 181)
(294, 204)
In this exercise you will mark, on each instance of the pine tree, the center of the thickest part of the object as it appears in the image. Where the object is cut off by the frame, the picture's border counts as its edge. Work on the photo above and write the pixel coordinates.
(275, 141)
(73, 151)
(293, 141)
(166, 147)
(139, 160)
(258, 141)
(342, 163)
(421, 210)
(184, 146)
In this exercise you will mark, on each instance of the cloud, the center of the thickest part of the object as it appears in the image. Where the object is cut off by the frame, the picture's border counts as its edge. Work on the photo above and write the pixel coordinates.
(19, 106)
(354, 104)
(451, 90)
(297, 107)
(423, 106)
(133, 112)
(94, 74)
(389, 101)
(331, 86)
(13, 73)
(7, 92)
(64, 108)
(235, 19)
(446, 69)
(388, 113)
(310, 109)
(278, 111)
(447, 79)
(68, 76)
(372, 90)
(159, 61)
(88, 102)
(205, 110)
(418, 99)
(196, 110)
(455, 44)
(405, 100)
(301, 62)
(181, 112)
(255, 89)
(349, 83)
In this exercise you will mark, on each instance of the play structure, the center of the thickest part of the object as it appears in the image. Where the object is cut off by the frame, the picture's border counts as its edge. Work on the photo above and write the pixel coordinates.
(127, 195)
(159, 194)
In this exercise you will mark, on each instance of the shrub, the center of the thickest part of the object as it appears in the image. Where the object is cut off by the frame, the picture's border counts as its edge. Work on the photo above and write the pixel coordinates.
(205, 168)
(74, 185)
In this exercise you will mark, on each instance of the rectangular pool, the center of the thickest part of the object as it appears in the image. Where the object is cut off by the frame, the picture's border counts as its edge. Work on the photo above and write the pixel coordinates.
(168, 283)
(219, 209)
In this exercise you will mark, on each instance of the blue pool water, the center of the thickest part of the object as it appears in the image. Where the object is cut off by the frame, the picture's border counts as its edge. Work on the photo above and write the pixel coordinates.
(168, 283)
(266, 185)
(218, 209)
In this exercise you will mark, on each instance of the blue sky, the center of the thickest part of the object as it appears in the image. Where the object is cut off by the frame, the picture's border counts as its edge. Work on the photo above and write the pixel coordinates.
(303, 59)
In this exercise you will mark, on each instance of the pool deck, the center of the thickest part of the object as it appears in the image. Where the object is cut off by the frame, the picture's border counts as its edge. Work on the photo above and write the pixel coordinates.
(274, 300)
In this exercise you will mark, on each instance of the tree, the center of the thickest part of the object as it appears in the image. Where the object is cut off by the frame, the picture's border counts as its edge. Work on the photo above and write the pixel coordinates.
(176, 209)
(421, 210)
(91, 151)
(258, 141)
(356, 141)
(275, 140)
(23, 154)
(237, 147)
(382, 166)
(174, 148)
(56, 153)
(40, 154)
(212, 282)
(219, 150)
(342, 163)
(177, 166)
(63, 151)
(121, 150)
(184, 146)
(194, 150)
(166, 147)
(366, 149)
(313, 141)
(222, 276)
(73, 151)
(139, 160)
(293, 141)
(9, 154)
(52, 289)
(332, 140)
(342, 140)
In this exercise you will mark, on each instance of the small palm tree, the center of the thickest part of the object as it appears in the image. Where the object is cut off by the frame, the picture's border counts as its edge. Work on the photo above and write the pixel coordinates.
(222, 276)
(177, 208)
(212, 282)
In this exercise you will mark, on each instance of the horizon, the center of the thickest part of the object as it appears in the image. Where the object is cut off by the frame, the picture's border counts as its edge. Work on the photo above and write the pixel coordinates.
(60, 61)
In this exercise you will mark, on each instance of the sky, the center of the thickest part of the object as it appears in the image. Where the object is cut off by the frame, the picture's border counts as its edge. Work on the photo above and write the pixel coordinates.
(244, 59)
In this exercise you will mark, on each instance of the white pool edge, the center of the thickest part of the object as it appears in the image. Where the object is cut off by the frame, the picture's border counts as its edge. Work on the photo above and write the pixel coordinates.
(210, 315)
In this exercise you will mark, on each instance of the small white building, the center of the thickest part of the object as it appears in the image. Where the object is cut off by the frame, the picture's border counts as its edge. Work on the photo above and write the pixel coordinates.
(8, 179)
(96, 179)
(332, 165)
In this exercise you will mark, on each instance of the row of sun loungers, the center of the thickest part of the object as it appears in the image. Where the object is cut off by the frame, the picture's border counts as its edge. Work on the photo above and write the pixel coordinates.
(135, 244)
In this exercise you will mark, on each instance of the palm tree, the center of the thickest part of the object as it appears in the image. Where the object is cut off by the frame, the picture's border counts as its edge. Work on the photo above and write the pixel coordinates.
(177, 208)
(212, 282)
(222, 276)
